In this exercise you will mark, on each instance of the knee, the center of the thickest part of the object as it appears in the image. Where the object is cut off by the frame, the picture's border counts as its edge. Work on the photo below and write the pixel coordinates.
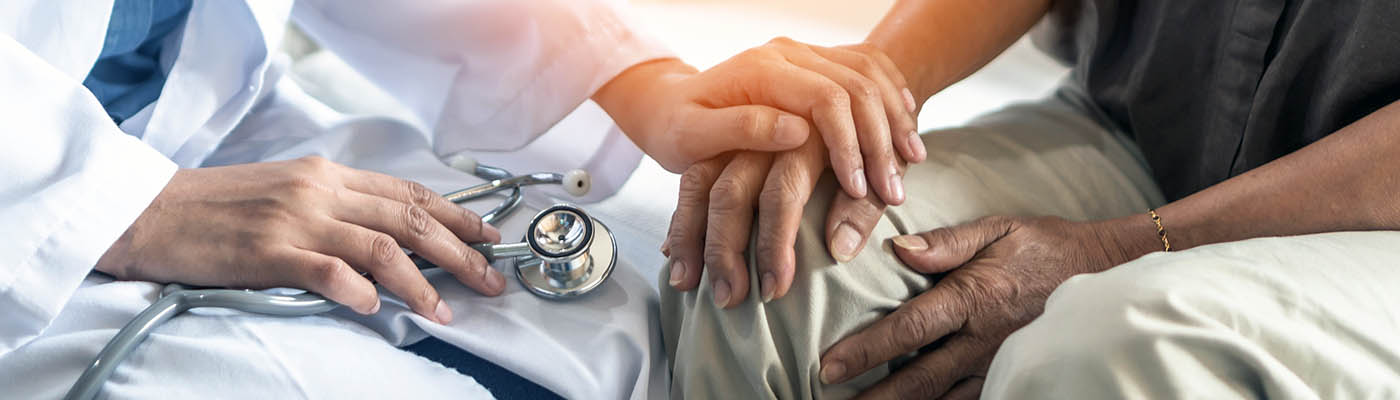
(1101, 330)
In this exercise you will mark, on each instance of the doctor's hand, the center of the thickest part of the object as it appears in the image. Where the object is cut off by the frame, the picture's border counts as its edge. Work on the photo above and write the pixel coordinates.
(306, 223)
(998, 272)
(764, 98)
(718, 201)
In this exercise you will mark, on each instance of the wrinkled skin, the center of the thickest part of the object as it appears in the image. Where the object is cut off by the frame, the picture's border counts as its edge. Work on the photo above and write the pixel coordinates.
(997, 273)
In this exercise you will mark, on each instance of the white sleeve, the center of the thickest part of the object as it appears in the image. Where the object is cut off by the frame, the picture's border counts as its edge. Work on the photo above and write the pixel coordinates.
(482, 74)
(70, 184)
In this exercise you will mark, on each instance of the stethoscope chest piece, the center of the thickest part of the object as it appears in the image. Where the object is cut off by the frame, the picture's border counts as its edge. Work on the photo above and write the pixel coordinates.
(574, 254)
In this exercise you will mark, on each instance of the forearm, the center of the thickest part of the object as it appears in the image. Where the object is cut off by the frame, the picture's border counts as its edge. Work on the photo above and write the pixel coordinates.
(938, 42)
(1346, 181)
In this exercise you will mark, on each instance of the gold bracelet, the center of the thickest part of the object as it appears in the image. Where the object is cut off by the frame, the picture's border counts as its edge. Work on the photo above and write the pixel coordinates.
(1161, 230)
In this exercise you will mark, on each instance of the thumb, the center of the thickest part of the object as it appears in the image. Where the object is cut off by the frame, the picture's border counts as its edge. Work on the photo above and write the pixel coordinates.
(849, 223)
(707, 132)
(943, 249)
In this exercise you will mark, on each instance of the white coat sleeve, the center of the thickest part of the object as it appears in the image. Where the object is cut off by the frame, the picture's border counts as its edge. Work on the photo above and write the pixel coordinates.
(70, 184)
(482, 74)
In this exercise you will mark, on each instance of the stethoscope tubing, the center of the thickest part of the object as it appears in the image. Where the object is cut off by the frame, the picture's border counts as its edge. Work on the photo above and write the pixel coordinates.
(176, 299)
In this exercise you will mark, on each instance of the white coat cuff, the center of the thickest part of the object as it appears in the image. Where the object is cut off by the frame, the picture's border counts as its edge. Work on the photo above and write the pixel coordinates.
(119, 178)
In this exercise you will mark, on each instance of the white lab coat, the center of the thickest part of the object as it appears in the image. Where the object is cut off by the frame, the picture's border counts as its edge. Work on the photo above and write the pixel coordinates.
(475, 75)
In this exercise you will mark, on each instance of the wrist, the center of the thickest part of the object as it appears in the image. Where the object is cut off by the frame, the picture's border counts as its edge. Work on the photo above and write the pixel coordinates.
(630, 97)
(1127, 238)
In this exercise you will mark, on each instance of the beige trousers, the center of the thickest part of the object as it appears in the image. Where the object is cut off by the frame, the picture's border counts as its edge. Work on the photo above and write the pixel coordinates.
(1163, 325)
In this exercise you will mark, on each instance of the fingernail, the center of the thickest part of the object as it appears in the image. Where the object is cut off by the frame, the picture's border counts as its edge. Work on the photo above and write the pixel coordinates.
(496, 280)
(858, 180)
(909, 100)
(443, 314)
(910, 242)
(791, 131)
(677, 273)
(897, 188)
(767, 285)
(844, 242)
(375, 309)
(721, 293)
(833, 371)
(917, 143)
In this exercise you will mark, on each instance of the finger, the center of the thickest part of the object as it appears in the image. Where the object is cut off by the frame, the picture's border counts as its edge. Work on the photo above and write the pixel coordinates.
(412, 227)
(686, 236)
(931, 375)
(779, 83)
(849, 222)
(785, 193)
(706, 132)
(943, 249)
(966, 389)
(378, 254)
(896, 98)
(733, 201)
(322, 274)
(918, 322)
(872, 124)
(465, 224)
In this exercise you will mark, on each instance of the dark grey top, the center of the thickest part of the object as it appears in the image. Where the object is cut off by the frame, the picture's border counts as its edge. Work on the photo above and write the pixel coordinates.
(1210, 89)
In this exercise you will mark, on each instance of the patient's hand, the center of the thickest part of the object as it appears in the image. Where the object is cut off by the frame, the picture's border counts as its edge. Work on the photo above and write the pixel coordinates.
(999, 271)
(763, 98)
(306, 223)
(718, 199)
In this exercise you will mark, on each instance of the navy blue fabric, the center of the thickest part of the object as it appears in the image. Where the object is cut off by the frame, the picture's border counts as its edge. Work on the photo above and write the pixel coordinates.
(501, 382)
(127, 75)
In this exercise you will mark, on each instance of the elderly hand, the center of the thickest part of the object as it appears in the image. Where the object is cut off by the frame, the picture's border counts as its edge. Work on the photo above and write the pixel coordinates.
(998, 273)
(763, 98)
(306, 223)
(715, 212)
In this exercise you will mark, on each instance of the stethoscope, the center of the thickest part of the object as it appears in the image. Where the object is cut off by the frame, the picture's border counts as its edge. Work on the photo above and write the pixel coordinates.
(565, 254)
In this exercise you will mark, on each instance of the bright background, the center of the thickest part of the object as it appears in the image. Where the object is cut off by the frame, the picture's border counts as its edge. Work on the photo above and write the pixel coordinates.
(706, 32)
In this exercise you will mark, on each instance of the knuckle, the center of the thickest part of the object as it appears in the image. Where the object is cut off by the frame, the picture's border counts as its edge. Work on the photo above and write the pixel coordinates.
(426, 295)
(765, 51)
(862, 88)
(938, 235)
(315, 166)
(325, 274)
(305, 186)
(418, 194)
(383, 250)
(715, 253)
(836, 97)
(755, 122)
(780, 195)
(694, 179)
(314, 162)
(911, 323)
(921, 382)
(727, 194)
(417, 220)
